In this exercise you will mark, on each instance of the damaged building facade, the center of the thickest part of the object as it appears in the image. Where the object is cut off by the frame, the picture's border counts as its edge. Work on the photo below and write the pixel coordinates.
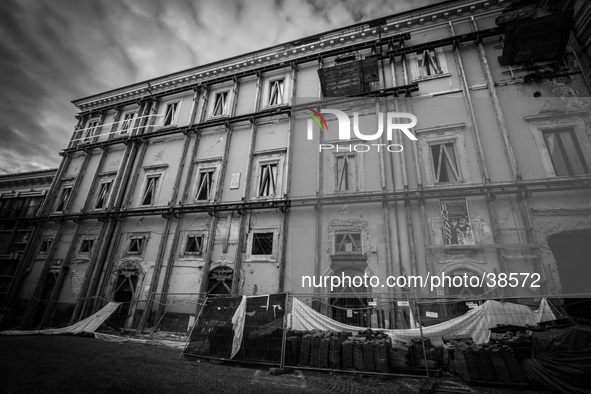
(217, 179)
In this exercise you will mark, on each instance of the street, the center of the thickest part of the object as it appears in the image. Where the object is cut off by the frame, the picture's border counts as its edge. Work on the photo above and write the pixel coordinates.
(74, 364)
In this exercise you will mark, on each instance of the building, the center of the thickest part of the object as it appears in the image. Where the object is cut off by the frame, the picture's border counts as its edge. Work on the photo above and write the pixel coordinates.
(21, 196)
(207, 181)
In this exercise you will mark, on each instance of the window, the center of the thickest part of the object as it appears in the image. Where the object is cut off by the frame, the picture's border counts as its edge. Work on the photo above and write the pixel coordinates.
(103, 195)
(86, 246)
(442, 150)
(346, 173)
(348, 243)
(149, 195)
(220, 281)
(127, 124)
(45, 245)
(194, 245)
(565, 152)
(262, 244)
(220, 102)
(445, 168)
(63, 199)
(171, 114)
(205, 184)
(428, 63)
(268, 179)
(136, 245)
(276, 89)
(90, 129)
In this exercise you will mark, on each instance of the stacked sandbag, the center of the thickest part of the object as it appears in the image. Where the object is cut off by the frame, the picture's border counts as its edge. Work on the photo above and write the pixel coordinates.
(399, 357)
(335, 352)
(492, 363)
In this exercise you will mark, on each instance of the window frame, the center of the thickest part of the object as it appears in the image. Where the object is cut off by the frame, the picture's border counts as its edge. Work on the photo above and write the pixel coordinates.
(337, 179)
(443, 135)
(175, 116)
(46, 241)
(159, 175)
(350, 234)
(566, 156)
(83, 241)
(416, 69)
(65, 201)
(199, 253)
(226, 104)
(574, 120)
(106, 201)
(129, 129)
(208, 165)
(263, 257)
(266, 159)
(90, 130)
(140, 239)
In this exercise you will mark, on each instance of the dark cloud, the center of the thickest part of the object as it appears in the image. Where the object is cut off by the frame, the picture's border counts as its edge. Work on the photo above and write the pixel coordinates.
(58, 51)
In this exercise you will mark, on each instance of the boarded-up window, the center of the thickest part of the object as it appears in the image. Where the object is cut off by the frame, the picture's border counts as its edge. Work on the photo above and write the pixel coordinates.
(349, 79)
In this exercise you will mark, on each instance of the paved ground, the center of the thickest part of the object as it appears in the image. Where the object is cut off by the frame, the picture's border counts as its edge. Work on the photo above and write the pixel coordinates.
(72, 364)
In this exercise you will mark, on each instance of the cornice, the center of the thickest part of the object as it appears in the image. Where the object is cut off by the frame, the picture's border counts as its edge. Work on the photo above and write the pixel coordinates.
(282, 55)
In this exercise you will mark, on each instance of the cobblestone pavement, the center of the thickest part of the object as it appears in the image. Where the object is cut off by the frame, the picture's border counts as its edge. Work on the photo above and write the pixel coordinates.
(73, 364)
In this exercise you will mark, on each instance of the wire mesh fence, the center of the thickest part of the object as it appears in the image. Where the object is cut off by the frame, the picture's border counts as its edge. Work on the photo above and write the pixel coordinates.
(247, 329)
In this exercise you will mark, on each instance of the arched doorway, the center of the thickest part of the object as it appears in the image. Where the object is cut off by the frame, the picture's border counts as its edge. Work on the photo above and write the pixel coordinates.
(349, 302)
(572, 251)
(124, 292)
(220, 281)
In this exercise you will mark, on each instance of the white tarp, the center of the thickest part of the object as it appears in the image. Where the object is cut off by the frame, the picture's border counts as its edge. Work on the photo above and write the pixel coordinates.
(476, 323)
(89, 325)
(238, 326)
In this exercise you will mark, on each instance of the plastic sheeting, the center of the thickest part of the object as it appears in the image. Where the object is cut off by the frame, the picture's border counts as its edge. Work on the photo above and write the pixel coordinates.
(475, 324)
(238, 325)
(88, 325)
(561, 360)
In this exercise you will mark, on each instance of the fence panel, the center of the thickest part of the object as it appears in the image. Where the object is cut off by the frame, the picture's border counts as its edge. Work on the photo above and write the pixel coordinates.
(260, 336)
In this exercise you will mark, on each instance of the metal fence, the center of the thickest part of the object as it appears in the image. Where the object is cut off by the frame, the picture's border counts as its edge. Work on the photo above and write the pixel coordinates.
(211, 328)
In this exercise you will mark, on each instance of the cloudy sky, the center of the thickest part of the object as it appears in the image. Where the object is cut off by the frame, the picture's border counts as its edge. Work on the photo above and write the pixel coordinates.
(53, 52)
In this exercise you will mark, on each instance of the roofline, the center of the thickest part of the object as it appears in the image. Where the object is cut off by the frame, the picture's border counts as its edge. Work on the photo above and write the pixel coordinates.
(136, 84)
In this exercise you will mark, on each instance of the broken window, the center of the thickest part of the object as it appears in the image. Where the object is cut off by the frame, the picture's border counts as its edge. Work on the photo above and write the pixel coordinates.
(86, 246)
(565, 152)
(170, 114)
(205, 185)
(346, 173)
(268, 179)
(276, 91)
(219, 105)
(45, 245)
(90, 129)
(127, 124)
(136, 245)
(63, 199)
(194, 245)
(348, 243)
(429, 63)
(445, 166)
(103, 195)
(149, 195)
(262, 244)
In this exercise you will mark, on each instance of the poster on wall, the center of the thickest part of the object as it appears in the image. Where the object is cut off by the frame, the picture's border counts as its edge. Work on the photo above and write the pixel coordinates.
(456, 222)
